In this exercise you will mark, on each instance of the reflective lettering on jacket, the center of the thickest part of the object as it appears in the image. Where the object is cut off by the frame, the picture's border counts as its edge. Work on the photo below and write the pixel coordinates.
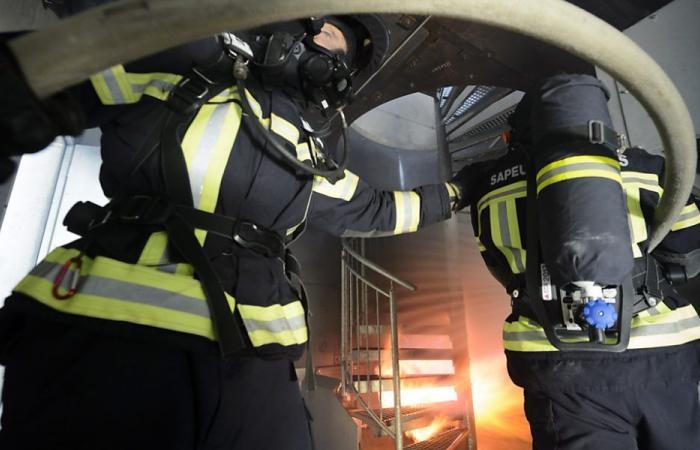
(113, 290)
(655, 327)
(505, 175)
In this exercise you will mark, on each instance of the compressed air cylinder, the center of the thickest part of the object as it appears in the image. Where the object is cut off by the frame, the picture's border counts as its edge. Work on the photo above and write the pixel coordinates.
(580, 200)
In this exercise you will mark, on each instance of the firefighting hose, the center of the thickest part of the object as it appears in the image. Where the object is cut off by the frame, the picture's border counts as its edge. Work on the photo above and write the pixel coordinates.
(71, 51)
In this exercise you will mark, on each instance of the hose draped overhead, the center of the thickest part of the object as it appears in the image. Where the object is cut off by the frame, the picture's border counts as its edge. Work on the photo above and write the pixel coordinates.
(70, 51)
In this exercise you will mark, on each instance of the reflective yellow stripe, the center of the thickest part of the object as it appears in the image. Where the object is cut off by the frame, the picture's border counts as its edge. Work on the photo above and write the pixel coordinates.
(664, 328)
(277, 324)
(635, 215)
(453, 193)
(505, 233)
(285, 129)
(207, 147)
(511, 191)
(115, 86)
(514, 190)
(343, 189)
(113, 290)
(407, 211)
(303, 152)
(479, 244)
(689, 217)
(578, 167)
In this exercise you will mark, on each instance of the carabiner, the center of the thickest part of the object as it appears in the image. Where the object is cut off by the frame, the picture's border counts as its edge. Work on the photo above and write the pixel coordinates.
(75, 278)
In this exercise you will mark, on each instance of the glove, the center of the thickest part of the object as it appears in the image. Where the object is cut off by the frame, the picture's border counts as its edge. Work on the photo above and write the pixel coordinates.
(464, 182)
(28, 124)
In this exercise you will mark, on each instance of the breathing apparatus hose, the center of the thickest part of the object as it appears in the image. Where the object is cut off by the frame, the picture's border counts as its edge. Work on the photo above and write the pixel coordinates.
(74, 49)
(240, 73)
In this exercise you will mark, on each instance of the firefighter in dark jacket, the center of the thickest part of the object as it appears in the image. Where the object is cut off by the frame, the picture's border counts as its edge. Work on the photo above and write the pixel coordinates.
(173, 324)
(645, 393)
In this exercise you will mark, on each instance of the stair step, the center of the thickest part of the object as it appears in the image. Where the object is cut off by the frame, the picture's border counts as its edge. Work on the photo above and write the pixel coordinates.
(408, 368)
(412, 417)
(364, 385)
(380, 336)
(373, 354)
(447, 440)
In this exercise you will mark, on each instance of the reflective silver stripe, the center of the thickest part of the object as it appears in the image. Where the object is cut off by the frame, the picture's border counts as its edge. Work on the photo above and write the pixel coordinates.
(688, 215)
(275, 326)
(575, 167)
(509, 193)
(123, 291)
(168, 268)
(407, 217)
(524, 336)
(205, 150)
(113, 86)
(505, 236)
(638, 331)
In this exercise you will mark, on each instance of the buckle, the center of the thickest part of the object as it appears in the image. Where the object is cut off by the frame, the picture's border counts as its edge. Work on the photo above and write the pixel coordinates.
(252, 237)
(190, 93)
(144, 209)
(600, 134)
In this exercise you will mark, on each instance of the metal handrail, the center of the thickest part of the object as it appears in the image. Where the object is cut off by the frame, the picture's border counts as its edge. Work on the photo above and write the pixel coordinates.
(377, 268)
(356, 286)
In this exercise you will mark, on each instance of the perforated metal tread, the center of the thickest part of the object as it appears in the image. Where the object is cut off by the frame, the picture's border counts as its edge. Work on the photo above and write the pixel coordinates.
(442, 441)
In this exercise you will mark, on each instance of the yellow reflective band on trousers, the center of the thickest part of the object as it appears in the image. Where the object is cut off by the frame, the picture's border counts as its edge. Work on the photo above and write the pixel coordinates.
(343, 189)
(116, 86)
(113, 290)
(578, 167)
(655, 327)
(503, 220)
(407, 212)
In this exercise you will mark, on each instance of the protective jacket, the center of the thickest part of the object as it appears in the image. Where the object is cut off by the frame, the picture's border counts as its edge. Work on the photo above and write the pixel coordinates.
(132, 281)
(664, 338)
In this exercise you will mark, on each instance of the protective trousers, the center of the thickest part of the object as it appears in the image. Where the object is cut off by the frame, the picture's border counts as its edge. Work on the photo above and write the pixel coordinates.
(657, 417)
(68, 388)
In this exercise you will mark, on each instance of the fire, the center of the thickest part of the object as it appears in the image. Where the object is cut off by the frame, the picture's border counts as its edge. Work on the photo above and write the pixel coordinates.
(498, 404)
(425, 433)
(420, 396)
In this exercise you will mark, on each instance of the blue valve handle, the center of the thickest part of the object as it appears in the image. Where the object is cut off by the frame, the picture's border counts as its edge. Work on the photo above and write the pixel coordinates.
(600, 314)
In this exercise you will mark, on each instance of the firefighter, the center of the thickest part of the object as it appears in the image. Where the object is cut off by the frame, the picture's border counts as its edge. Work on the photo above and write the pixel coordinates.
(586, 384)
(173, 322)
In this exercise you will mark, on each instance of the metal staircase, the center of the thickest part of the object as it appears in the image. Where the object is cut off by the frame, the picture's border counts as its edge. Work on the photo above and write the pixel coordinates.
(379, 358)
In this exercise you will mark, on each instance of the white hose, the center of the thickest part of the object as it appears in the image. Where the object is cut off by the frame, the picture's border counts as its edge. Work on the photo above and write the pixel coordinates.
(72, 50)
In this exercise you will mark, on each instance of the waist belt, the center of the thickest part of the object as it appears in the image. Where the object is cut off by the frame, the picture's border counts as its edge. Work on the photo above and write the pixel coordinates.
(85, 217)
(180, 221)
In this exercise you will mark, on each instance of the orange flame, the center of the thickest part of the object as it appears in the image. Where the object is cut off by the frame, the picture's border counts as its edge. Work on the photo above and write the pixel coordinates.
(423, 434)
(420, 396)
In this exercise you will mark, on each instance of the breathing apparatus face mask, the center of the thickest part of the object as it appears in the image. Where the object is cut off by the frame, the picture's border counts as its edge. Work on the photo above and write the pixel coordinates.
(311, 74)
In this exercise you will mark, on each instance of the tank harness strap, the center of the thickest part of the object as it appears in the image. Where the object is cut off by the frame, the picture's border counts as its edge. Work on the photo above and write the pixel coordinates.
(594, 132)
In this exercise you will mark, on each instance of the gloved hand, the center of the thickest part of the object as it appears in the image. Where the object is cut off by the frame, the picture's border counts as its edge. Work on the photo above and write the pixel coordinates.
(28, 124)
(465, 180)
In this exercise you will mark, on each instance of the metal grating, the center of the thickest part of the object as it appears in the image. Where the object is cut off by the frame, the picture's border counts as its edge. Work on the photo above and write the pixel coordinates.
(388, 413)
(475, 96)
(443, 441)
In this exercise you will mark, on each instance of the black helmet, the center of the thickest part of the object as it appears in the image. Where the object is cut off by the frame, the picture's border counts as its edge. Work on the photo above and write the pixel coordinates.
(367, 37)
